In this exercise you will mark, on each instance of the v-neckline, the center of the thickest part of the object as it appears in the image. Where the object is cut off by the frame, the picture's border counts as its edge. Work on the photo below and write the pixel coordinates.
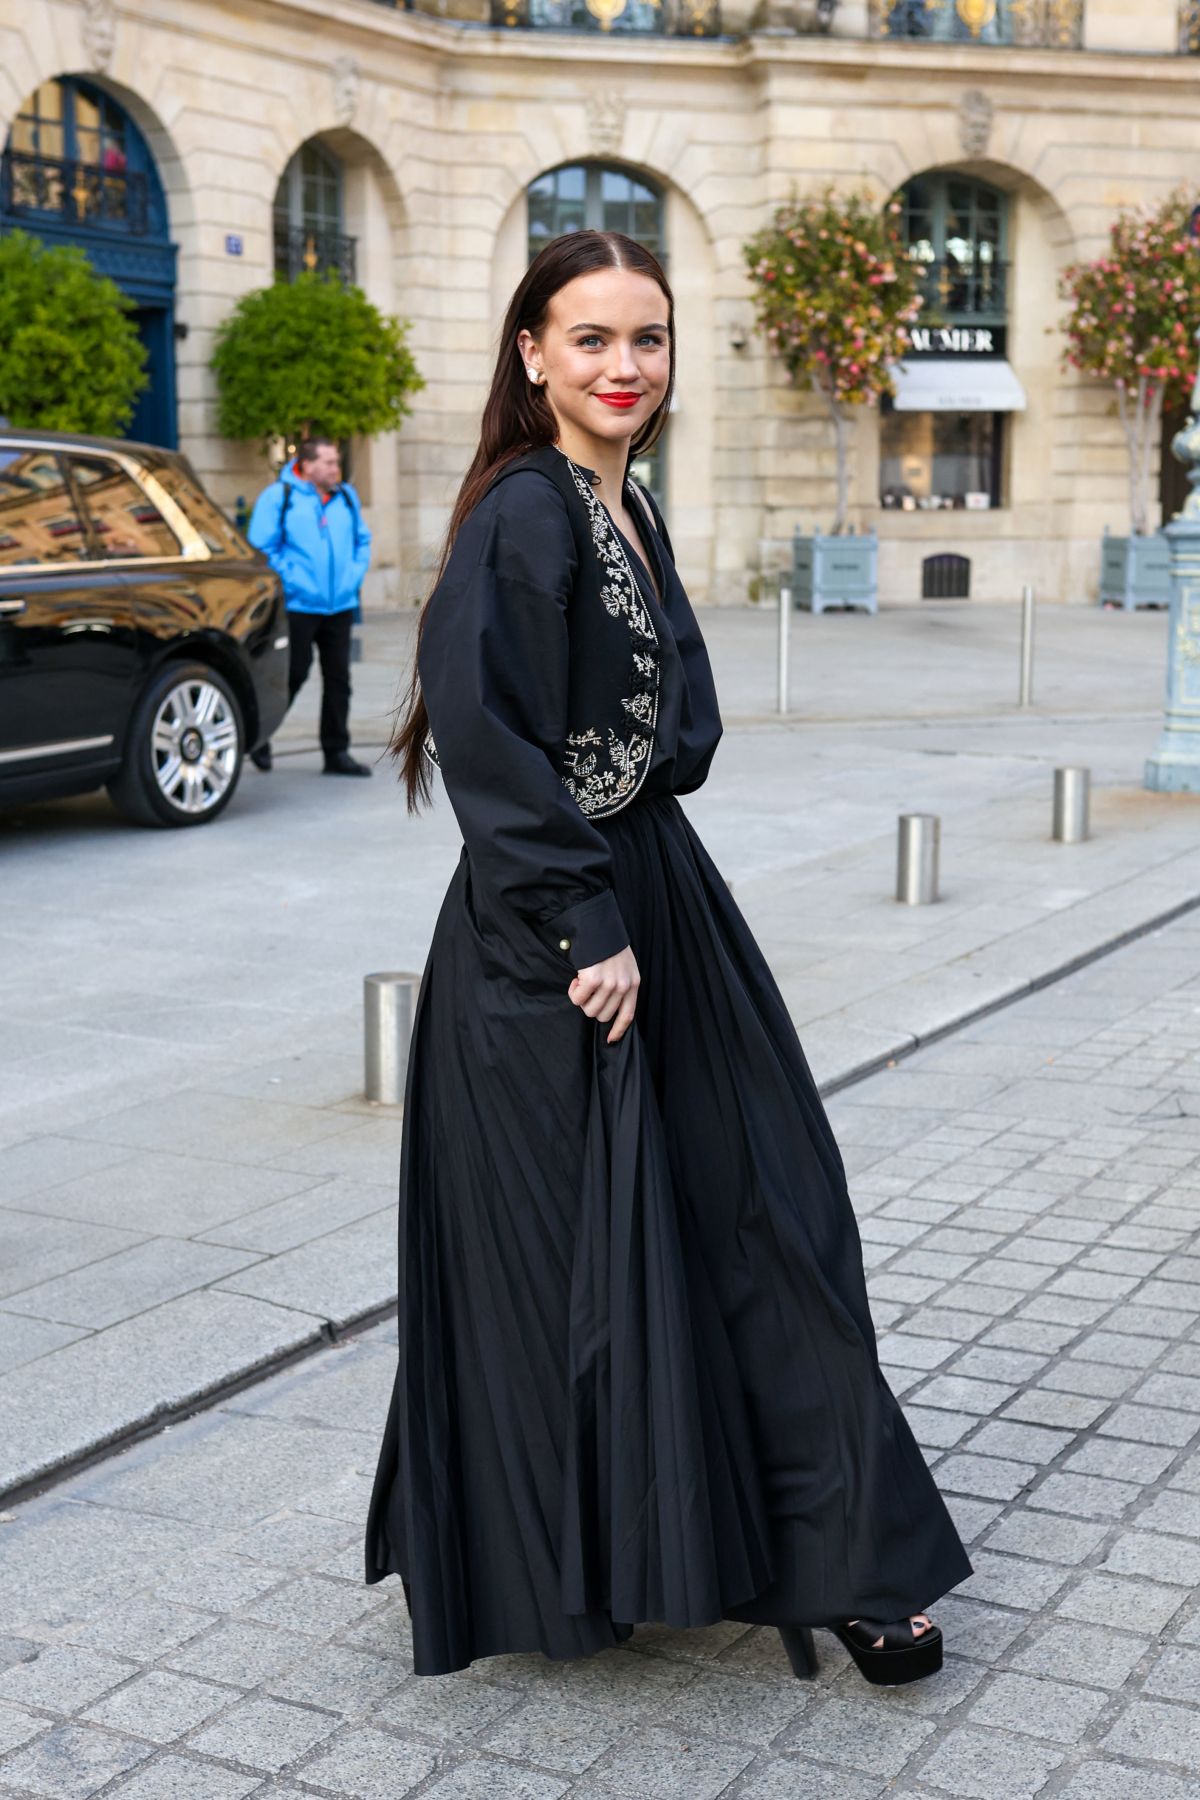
(654, 575)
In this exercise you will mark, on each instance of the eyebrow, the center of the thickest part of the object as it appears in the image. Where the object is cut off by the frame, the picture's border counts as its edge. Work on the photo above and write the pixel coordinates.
(655, 327)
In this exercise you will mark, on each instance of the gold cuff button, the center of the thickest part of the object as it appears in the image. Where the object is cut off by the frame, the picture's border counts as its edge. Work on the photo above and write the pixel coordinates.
(564, 943)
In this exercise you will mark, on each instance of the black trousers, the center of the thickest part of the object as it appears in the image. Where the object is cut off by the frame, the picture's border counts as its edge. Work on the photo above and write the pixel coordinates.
(329, 635)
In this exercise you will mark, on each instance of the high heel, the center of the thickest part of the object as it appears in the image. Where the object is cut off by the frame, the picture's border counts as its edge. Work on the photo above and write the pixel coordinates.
(902, 1656)
(801, 1651)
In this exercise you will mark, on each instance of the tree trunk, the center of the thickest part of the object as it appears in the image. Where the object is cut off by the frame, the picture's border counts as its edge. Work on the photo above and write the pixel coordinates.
(837, 414)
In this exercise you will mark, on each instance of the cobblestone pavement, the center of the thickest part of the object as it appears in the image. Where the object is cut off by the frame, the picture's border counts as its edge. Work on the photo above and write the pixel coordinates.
(187, 1621)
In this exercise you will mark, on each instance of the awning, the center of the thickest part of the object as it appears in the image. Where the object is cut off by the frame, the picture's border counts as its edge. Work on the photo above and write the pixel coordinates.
(957, 384)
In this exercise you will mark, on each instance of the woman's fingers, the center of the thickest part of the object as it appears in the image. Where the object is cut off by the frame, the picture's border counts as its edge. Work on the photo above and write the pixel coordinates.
(624, 1017)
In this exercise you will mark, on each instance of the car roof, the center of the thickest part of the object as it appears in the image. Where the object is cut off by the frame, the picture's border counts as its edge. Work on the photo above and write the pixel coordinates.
(81, 440)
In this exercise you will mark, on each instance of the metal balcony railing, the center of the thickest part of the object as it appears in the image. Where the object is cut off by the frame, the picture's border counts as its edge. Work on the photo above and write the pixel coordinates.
(79, 193)
(1189, 27)
(301, 249)
(660, 18)
(1041, 24)
(958, 290)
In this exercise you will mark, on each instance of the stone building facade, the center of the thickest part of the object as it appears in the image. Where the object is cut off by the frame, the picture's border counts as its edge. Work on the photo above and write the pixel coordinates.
(429, 148)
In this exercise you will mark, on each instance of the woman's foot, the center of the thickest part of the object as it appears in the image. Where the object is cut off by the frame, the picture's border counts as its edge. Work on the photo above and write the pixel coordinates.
(887, 1655)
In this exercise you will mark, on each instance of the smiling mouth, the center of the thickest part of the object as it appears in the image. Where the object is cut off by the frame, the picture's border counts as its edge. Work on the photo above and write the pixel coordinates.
(623, 401)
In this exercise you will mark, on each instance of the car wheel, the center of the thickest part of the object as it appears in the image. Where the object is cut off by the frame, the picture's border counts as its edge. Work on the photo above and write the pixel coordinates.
(183, 754)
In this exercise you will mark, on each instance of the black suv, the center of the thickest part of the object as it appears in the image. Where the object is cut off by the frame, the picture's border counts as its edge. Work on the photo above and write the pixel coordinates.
(143, 643)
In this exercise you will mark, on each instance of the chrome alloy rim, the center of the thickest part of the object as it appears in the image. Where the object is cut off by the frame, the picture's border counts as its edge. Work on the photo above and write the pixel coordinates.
(194, 745)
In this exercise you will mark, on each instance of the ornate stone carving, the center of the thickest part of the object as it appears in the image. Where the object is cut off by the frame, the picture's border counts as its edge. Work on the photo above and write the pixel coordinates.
(975, 116)
(606, 123)
(347, 81)
(99, 32)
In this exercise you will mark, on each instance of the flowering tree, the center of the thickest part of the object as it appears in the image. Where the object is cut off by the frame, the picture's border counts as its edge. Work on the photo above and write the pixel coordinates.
(835, 294)
(1134, 314)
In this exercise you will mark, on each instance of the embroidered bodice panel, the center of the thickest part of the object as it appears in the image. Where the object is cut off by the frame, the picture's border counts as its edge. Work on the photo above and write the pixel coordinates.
(605, 758)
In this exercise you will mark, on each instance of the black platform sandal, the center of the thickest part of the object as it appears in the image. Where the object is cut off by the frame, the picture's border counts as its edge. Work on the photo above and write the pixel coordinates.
(892, 1654)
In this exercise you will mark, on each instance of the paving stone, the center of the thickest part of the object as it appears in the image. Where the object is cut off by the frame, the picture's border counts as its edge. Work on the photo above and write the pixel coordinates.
(181, 1778)
(314, 1603)
(1039, 1407)
(263, 1734)
(938, 1430)
(1158, 1732)
(62, 1679)
(240, 1653)
(1102, 1381)
(1088, 1495)
(160, 1706)
(1113, 1600)
(373, 1765)
(992, 1364)
(23, 1340)
(1161, 1558)
(34, 1249)
(443, 1707)
(17, 1726)
(70, 1762)
(990, 1477)
(1119, 1459)
(903, 1349)
(1151, 1425)
(787, 1777)
(1028, 1443)
(294, 1541)
(977, 1764)
(861, 1735)
(1013, 1581)
(1046, 1536)
(143, 1628)
(484, 1779)
(554, 1732)
(339, 1680)
(1097, 1780)
(1041, 1709)
(1030, 1334)
(1079, 1652)
(1170, 1511)
(980, 1632)
(971, 1517)
(132, 1281)
(1175, 1674)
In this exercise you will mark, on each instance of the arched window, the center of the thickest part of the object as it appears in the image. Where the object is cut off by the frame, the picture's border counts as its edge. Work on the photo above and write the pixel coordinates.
(956, 228)
(308, 216)
(77, 170)
(600, 197)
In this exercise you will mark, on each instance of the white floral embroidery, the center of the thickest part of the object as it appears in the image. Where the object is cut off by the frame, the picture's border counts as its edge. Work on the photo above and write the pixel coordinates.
(599, 790)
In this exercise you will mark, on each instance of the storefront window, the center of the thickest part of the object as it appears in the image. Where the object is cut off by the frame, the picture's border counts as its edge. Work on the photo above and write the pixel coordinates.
(956, 229)
(930, 461)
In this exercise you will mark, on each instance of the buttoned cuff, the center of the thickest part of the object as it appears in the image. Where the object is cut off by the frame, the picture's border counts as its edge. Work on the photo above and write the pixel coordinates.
(590, 930)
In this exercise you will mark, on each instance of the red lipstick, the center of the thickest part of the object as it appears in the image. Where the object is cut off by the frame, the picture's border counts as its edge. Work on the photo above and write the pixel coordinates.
(622, 400)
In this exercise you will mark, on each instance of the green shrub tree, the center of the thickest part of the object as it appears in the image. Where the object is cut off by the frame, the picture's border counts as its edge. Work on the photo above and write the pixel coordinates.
(309, 355)
(1134, 314)
(835, 293)
(70, 355)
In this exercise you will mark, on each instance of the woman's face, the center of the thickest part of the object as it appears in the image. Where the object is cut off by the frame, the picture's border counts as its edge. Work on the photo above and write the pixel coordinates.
(604, 354)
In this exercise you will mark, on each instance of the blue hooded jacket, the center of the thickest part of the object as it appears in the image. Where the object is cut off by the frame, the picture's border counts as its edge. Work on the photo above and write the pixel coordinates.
(320, 552)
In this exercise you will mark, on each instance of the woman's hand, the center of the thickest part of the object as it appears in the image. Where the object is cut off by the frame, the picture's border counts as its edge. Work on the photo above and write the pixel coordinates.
(609, 989)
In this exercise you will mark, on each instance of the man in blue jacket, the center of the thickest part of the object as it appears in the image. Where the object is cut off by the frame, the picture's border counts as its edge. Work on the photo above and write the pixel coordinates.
(310, 525)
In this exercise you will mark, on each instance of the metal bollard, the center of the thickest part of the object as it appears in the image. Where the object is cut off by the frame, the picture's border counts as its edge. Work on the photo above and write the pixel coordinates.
(917, 858)
(1072, 805)
(785, 618)
(388, 1003)
(1026, 697)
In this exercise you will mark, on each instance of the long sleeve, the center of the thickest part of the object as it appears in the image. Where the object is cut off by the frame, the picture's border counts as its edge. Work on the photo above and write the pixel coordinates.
(263, 529)
(493, 666)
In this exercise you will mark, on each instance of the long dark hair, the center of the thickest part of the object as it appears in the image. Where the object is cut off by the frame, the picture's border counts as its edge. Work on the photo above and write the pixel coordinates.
(516, 419)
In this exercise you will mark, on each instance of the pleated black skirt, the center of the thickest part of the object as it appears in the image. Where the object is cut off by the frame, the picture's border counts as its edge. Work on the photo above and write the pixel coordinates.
(637, 1375)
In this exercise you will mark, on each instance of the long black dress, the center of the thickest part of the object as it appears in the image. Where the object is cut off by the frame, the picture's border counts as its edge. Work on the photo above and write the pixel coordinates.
(637, 1376)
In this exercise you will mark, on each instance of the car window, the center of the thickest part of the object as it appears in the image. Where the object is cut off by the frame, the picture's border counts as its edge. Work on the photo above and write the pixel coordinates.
(222, 537)
(124, 522)
(38, 520)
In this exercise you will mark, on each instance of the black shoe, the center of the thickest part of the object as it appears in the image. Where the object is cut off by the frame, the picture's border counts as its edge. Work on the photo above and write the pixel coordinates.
(344, 764)
(262, 758)
(891, 1654)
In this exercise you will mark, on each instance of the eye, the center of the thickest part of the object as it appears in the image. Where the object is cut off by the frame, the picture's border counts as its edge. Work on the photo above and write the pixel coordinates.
(589, 337)
(655, 338)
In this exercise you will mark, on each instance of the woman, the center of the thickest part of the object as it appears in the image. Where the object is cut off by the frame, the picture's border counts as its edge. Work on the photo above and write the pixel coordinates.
(637, 1376)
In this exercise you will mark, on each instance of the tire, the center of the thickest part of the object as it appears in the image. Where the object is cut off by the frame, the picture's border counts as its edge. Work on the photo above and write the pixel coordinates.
(184, 750)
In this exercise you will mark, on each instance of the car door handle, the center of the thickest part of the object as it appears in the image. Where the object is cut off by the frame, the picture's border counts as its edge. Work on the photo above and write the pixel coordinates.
(12, 606)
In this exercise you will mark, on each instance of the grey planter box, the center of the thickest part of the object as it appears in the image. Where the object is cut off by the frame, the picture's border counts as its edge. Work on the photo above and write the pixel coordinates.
(835, 571)
(1135, 571)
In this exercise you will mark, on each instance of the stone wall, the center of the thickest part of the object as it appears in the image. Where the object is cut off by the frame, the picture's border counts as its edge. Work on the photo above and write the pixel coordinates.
(441, 126)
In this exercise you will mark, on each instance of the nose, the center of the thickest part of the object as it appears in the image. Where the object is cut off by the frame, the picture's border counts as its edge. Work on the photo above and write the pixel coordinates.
(623, 365)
